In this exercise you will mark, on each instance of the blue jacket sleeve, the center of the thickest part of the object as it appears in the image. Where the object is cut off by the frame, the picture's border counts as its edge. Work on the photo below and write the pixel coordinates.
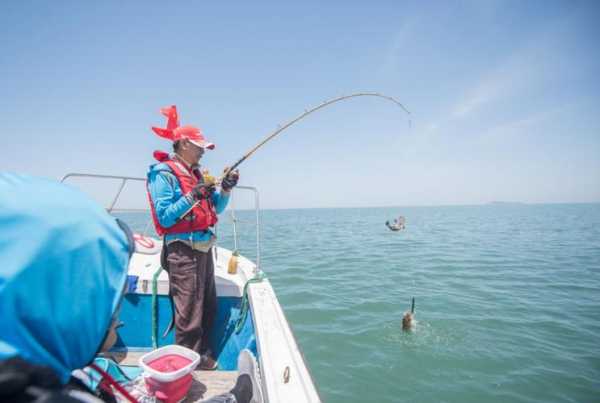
(220, 201)
(169, 202)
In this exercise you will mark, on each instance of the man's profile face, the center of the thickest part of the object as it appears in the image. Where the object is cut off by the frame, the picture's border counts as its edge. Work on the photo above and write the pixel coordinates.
(195, 152)
(191, 152)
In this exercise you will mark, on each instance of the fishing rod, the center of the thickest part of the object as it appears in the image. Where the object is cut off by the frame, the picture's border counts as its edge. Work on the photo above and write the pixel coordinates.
(306, 112)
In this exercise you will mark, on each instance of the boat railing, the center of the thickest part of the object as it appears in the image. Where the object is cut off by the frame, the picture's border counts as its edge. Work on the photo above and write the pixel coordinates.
(123, 180)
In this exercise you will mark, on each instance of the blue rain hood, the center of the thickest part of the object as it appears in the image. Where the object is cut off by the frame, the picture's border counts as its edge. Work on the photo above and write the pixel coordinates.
(63, 267)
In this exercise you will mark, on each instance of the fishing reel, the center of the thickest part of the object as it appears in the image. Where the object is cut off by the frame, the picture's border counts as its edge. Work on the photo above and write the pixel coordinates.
(209, 180)
(206, 187)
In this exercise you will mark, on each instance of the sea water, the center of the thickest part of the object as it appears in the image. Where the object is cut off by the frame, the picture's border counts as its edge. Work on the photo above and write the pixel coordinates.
(507, 299)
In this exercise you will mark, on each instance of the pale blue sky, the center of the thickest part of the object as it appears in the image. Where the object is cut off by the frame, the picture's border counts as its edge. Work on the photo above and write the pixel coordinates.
(504, 95)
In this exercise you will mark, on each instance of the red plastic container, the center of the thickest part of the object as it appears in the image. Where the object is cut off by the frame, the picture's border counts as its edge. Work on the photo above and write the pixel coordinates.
(169, 392)
(167, 372)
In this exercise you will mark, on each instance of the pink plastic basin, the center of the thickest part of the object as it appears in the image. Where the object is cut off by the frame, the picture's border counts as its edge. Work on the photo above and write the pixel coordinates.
(169, 392)
(169, 363)
(167, 372)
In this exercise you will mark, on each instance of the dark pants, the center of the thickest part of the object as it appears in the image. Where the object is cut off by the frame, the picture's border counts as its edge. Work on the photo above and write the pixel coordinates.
(192, 286)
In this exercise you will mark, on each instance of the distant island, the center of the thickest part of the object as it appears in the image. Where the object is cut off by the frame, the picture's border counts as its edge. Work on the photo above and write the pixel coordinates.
(506, 203)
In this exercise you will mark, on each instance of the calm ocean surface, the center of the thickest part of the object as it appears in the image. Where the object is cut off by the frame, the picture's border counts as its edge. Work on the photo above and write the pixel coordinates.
(507, 299)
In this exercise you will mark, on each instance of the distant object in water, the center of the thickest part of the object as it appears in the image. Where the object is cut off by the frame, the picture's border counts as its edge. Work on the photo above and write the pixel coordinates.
(397, 224)
(408, 322)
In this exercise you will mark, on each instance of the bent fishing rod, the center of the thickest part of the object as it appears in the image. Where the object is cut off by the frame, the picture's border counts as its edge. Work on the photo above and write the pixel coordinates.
(303, 115)
(306, 112)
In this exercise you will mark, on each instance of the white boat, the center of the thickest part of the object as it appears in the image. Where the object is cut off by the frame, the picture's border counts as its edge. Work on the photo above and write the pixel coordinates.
(263, 328)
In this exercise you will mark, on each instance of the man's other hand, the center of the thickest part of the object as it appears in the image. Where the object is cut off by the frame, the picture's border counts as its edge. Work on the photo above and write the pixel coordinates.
(230, 181)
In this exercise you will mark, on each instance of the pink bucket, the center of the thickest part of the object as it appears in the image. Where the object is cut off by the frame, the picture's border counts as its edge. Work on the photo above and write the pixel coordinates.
(169, 392)
(167, 372)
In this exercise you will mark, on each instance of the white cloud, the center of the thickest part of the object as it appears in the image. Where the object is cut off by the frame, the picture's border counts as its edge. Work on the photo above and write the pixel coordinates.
(534, 64)
(400, 40)
(508, 80)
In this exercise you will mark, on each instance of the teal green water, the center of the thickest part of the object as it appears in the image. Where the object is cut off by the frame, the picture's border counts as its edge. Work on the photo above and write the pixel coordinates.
(507, 300)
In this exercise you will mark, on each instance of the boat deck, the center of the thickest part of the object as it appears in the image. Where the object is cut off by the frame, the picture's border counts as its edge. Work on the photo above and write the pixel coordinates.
(206, 384)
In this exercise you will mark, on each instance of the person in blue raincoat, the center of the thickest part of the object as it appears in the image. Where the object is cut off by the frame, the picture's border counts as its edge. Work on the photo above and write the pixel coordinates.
(63, 270)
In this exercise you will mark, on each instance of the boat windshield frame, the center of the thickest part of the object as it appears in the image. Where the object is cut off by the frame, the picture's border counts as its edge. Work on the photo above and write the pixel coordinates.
(124, 179)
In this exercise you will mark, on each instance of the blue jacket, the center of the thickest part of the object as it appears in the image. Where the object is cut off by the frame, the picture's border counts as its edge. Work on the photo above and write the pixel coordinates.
(170, 202)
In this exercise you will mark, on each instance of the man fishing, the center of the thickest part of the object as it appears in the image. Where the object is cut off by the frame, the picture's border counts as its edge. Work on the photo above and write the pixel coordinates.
(184, 209)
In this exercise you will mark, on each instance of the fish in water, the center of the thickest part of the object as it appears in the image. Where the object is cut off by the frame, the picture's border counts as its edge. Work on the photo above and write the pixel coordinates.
(408, 321)
(397, 225)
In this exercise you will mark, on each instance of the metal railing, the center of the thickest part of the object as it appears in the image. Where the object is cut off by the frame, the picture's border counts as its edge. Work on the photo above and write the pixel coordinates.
(124, 179)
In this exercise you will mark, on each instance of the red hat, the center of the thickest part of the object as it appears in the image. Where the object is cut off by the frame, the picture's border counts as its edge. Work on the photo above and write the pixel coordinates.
(174, 132)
